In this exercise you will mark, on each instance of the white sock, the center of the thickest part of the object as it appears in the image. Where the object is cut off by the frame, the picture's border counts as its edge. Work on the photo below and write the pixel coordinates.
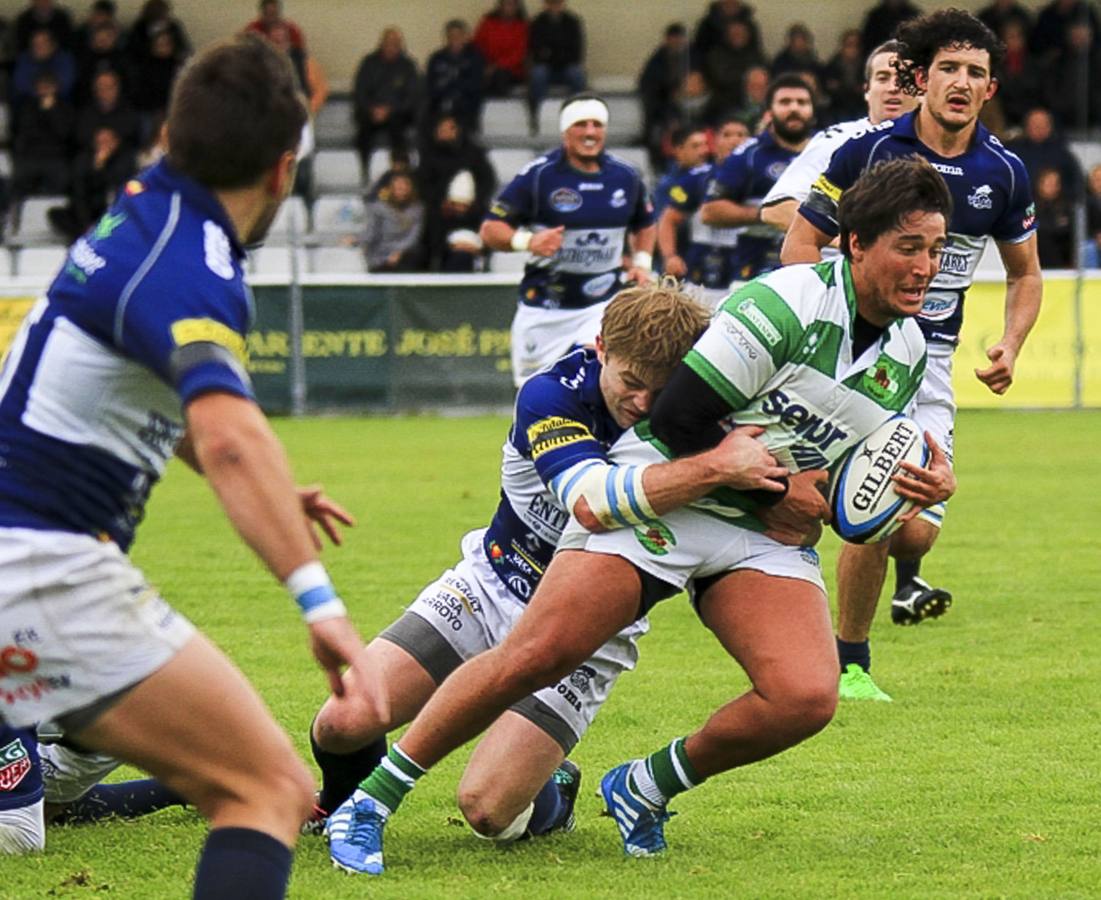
(639, 778)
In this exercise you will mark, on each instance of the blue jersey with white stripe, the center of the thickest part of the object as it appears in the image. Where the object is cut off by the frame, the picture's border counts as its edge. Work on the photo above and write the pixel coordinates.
(991, 196)
(596, 209)
(149, 311)
(745, 177)
(20, 770)
(561, 419)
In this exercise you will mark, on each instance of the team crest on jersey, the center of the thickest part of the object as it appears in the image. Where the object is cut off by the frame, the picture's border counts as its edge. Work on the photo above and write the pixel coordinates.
(566, 200)
(981, 197)
(619, 198)
(882, 380)
(655, 537)
(15, 764)
(777, 169)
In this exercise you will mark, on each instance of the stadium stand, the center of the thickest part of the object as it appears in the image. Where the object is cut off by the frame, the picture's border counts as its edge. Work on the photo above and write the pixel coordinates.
(38, 262)
(337, 170)
(507, 162)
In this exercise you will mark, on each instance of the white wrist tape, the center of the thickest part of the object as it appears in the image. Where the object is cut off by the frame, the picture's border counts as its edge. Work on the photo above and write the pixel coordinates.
(521, 240)
(314, 593)
(643, 260)
(614, 493)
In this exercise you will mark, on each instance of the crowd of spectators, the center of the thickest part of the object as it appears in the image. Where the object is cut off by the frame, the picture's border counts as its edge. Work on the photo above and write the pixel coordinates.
(86, 99)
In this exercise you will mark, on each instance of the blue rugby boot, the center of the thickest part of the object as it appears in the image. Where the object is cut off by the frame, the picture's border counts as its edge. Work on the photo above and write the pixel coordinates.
(641, 827)
(355, 834)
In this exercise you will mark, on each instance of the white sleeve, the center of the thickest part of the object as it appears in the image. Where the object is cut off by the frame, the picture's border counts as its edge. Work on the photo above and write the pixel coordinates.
(798, 177)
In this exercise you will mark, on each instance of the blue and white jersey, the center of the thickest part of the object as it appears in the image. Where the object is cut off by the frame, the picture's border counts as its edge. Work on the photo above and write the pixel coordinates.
(20, 771)
(991, 197)
(597, 210)
(745, 177)
(561, 419)
(710, 252)
(150, 311)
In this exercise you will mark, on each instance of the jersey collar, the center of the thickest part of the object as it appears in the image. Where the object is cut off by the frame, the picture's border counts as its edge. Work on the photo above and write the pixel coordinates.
(904, 128)
(196, 196)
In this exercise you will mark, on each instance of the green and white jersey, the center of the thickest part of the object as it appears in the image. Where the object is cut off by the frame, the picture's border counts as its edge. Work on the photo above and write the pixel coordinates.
(779, 352)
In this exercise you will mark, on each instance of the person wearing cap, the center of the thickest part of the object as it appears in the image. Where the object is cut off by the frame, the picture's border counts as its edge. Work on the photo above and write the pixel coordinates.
(574, 210)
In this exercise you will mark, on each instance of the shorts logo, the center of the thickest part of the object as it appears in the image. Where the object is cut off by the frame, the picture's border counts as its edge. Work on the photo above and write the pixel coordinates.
(17, 661)
(656, 539)
(554, 433)
(14, 765)
(1030, 217)
(810, 556)
(566, 200)
(580, 679)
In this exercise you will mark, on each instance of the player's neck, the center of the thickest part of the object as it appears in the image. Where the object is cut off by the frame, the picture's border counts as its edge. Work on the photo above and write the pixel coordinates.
(243, 208)
(793, 146)
(589, 166)
(941, 140)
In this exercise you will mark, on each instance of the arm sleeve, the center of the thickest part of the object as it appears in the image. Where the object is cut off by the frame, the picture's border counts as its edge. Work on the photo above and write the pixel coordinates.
(1019, 219)
(513, 205)
(553, 429)
(798, 177)
(728, 179)
(643, 214)
(820, 207)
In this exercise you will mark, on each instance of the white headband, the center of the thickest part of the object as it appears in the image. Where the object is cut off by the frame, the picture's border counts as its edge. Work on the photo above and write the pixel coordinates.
(582, 111)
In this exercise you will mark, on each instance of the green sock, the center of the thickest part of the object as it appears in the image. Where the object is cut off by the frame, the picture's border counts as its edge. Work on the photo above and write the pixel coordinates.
(664, 774)
(392, 779)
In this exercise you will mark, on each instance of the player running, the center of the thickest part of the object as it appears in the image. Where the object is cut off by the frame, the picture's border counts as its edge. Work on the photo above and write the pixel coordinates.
(819, 356)
(950, 57)
(554, 462)
(137, 351)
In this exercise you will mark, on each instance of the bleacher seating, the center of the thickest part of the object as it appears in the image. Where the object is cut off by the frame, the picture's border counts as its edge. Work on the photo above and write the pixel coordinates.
(292, 213)
(505, 122)
(507, 162)
(5, 163)
(637, 157)
(337, 215)
(275, 260)
(334, 126)
(33, 226)
(1088, 153)
(337, 170)
(5, 262)
(337, 261)
(38, 262)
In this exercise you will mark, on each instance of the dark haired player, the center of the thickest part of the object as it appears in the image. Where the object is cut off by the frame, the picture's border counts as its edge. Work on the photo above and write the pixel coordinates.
(136, 352)
(951, 58)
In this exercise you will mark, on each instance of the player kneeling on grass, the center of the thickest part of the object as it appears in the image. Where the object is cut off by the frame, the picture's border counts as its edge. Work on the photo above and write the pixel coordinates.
(54, 782)
(803, 352)
(137, 351)
(555, 461)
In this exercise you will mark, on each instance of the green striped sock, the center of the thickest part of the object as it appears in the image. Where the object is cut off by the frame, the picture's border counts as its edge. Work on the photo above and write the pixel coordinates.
(671, 771)
(392, 779)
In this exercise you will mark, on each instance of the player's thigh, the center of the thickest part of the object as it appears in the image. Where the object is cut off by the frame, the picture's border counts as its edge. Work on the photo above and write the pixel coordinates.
(200, 727)
(507, 769)
(777, 628)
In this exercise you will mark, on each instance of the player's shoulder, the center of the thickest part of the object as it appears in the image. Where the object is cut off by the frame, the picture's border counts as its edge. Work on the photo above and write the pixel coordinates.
(562, 386)
(745, 148)
(804, 288)
(996, 150)
(616, 165)
(537, 165)
(839, 132)
(906, 341)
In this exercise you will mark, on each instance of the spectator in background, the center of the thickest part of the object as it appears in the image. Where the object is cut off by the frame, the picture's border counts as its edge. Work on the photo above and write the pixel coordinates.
(660, 87)
(502, 39)
(385, 94)
(728, 135)
(98, 175)
(690, 151)
(882, 20)
(798, 54)
(271, 17)
(391, 239)
(1072, 78)
(1001, 13)
(43, 14)
(310, 75)
(103, 50)
(102, 12)
(725, 66)
(754, 97)
(155, 71)
(1019, 80)
(556, 49)
(843, 79)
(454, 244)
(400, 163)
(454, 77)
(711, 30)
(1054, 221)
(1040, 147)
(43, 135)
(1091, 249)
(43, 56)
(108, 109)
(1051, 33)
(154, 19)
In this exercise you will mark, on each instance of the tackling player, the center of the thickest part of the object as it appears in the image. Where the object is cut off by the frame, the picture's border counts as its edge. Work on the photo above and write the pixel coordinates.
(137, 351)
(572, 210)
(951, 58)
(802, 352)
(555, 461)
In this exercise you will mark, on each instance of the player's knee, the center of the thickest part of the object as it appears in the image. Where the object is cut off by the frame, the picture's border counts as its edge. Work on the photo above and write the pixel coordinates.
(291, 789)
(810, 708)
(346, 724)
(21, 835)
(478, 810)
(913, 540)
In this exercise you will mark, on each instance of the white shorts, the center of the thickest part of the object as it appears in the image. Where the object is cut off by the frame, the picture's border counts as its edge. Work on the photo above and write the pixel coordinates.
(540, 336)
(468, 610)
(23, 829)
(934, 409)
(78, 624)
(67, 774)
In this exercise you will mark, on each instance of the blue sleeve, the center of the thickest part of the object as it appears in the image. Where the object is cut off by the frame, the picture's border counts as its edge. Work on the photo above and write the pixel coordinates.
(190, 329)
(683, 193)
(20, 769)
(514, 204)
(1018, 220)
(553, 428)
(820, 207)
(643, 213)
(729, 180)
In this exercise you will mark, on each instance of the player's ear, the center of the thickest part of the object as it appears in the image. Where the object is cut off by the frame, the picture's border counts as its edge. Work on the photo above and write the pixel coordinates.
(601, 351)
(992, 89)
(921, 78)
(280, 178)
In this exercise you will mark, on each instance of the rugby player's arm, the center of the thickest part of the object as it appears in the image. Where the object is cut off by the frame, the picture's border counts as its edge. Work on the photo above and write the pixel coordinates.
(780, 214)
(1024, 288)
(671, 219)
(727, 213)
(803, 242)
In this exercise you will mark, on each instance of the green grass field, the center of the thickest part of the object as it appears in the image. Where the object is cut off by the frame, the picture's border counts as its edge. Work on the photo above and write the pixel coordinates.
(979, 781)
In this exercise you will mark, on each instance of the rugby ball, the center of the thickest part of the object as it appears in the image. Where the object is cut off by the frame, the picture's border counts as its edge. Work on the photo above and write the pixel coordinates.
(862, 495)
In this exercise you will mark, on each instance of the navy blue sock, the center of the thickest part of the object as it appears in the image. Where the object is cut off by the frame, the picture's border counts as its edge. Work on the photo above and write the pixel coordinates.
(341, 773)
(549, 809)
(242, 864)
(905, 571)
(127, 800)
(858, 652)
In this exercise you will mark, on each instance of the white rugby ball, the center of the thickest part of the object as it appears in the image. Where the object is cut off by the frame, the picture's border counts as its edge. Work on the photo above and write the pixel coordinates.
(865, 506)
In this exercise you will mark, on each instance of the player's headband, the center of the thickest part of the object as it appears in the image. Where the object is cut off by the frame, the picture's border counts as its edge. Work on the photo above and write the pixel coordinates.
(582, 111)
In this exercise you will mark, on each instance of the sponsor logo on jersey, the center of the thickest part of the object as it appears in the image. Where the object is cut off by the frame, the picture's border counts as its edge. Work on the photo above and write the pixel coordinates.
(106, 226)
(499, 209)
(753, 314)
(209, 331)
(549, 513)
(981, 197)
(555, 432)
(160, 434)
(619, 198)
(946, 169)
(84, 262)
(16, 660)
(15, 764)
(599, 286)
(216, 251)
(828, 188)
(590, 186)
(678, 194)
(134, 187)
(743, 346)
(939, 306)
(882, 380)
(566, 200)
(1030, 217)
(810, 556)
(811, 427)
(519, 585)
(954, 263)
(655, 537)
